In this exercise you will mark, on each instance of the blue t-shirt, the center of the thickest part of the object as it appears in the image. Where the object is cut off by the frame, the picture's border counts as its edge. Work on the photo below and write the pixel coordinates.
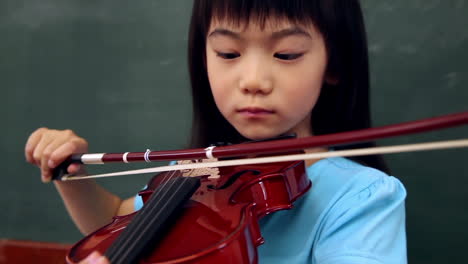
(352, 214)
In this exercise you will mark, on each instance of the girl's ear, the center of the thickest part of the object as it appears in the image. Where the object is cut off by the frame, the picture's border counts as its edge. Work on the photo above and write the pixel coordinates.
(331, 80)
(331, 76)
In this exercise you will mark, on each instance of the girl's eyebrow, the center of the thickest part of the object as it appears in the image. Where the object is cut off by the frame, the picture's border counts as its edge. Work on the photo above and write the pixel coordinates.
(225, 32)
(291, 31)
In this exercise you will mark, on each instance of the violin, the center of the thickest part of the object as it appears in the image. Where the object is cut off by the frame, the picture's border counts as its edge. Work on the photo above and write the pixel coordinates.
(219, 223)
(204, 219)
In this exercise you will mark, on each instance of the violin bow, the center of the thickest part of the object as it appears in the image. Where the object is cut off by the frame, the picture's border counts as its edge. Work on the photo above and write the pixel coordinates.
(276, 146)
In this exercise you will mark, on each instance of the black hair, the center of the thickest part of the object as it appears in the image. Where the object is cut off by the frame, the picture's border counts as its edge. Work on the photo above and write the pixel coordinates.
(342, 106)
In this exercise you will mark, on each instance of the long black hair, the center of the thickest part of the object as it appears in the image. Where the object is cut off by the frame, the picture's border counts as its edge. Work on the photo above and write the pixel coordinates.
(343, 106)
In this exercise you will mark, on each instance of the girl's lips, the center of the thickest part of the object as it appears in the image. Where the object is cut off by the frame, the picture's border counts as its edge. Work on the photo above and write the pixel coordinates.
(255, 111)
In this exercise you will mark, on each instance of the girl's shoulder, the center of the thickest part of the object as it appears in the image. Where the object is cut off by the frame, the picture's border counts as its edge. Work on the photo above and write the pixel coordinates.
(343, 167)
(351, 202)
(338, 172)
(340, 179)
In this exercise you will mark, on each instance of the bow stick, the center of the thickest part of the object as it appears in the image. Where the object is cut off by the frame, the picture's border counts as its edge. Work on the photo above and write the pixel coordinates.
(278, 146)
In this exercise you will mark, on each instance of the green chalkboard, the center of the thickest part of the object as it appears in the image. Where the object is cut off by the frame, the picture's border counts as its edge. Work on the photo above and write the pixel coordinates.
(116, 73)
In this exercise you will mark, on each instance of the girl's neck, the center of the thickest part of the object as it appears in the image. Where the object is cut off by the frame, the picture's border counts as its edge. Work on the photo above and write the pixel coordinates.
(314, 150)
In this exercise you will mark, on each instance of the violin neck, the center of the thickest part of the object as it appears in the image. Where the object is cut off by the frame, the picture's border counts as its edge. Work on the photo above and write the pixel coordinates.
(150, 223)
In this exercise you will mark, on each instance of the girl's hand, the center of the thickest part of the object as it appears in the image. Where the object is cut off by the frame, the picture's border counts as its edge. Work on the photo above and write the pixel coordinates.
(95, 258)
(47, 148)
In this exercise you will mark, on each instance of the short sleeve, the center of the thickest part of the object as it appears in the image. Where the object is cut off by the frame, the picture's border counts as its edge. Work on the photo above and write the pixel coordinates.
(138, 202)
(367, 226)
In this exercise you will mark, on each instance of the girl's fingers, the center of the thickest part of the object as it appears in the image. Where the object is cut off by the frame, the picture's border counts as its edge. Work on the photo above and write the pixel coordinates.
(31, 144)
(95, 258)
(60, 154)
(47, 148)
(46, 164)
(74, 168)
(54, 154)
(75, 145)
(38, 154)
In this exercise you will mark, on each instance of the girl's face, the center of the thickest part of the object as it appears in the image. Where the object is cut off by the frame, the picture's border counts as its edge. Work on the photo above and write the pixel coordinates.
(266, 81)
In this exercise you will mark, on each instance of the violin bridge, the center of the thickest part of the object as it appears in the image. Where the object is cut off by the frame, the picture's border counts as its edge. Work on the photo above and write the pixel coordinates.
(212, 173)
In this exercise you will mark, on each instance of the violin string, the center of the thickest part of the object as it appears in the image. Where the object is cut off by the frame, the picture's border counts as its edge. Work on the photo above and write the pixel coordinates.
(118, 245)
(143, 226)
(119, 248)
(165, 180)
(149, 215)
(123, 242)
(123, 246)
(317, 155)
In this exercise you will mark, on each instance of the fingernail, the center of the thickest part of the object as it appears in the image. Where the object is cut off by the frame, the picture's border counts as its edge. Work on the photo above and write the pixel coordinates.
(51, 164)
(100, 260)
(93, 258)
(45, 179)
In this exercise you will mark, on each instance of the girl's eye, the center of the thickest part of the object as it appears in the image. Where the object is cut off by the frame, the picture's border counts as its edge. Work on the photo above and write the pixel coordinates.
(227, 56)
(284, 56)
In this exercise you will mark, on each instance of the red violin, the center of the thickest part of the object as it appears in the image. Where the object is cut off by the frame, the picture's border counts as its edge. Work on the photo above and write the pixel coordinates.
(218, 224)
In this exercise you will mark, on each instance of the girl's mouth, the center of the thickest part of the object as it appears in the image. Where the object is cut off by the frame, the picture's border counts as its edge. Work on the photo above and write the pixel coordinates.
(255, 112)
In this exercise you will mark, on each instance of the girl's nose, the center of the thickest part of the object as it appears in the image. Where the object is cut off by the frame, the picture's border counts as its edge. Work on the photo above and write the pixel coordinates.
(256, 80)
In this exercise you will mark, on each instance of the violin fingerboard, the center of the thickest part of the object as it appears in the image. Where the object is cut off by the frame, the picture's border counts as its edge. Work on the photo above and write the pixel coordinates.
(148, 226)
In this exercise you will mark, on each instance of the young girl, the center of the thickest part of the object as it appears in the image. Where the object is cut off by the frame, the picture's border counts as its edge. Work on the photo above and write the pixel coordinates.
(260, 69)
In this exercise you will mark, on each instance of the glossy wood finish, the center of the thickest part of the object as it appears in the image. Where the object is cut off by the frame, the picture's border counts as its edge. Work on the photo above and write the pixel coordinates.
(220, 222)
(20, 251)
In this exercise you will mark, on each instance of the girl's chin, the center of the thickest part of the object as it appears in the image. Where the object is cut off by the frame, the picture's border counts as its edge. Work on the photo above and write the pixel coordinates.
(257, 134)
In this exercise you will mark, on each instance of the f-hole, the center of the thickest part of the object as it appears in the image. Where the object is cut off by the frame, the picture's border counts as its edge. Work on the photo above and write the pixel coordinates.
(233, 178)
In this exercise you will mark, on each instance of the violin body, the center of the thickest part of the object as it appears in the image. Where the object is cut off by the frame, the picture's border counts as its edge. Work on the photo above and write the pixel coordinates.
(219, 224)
